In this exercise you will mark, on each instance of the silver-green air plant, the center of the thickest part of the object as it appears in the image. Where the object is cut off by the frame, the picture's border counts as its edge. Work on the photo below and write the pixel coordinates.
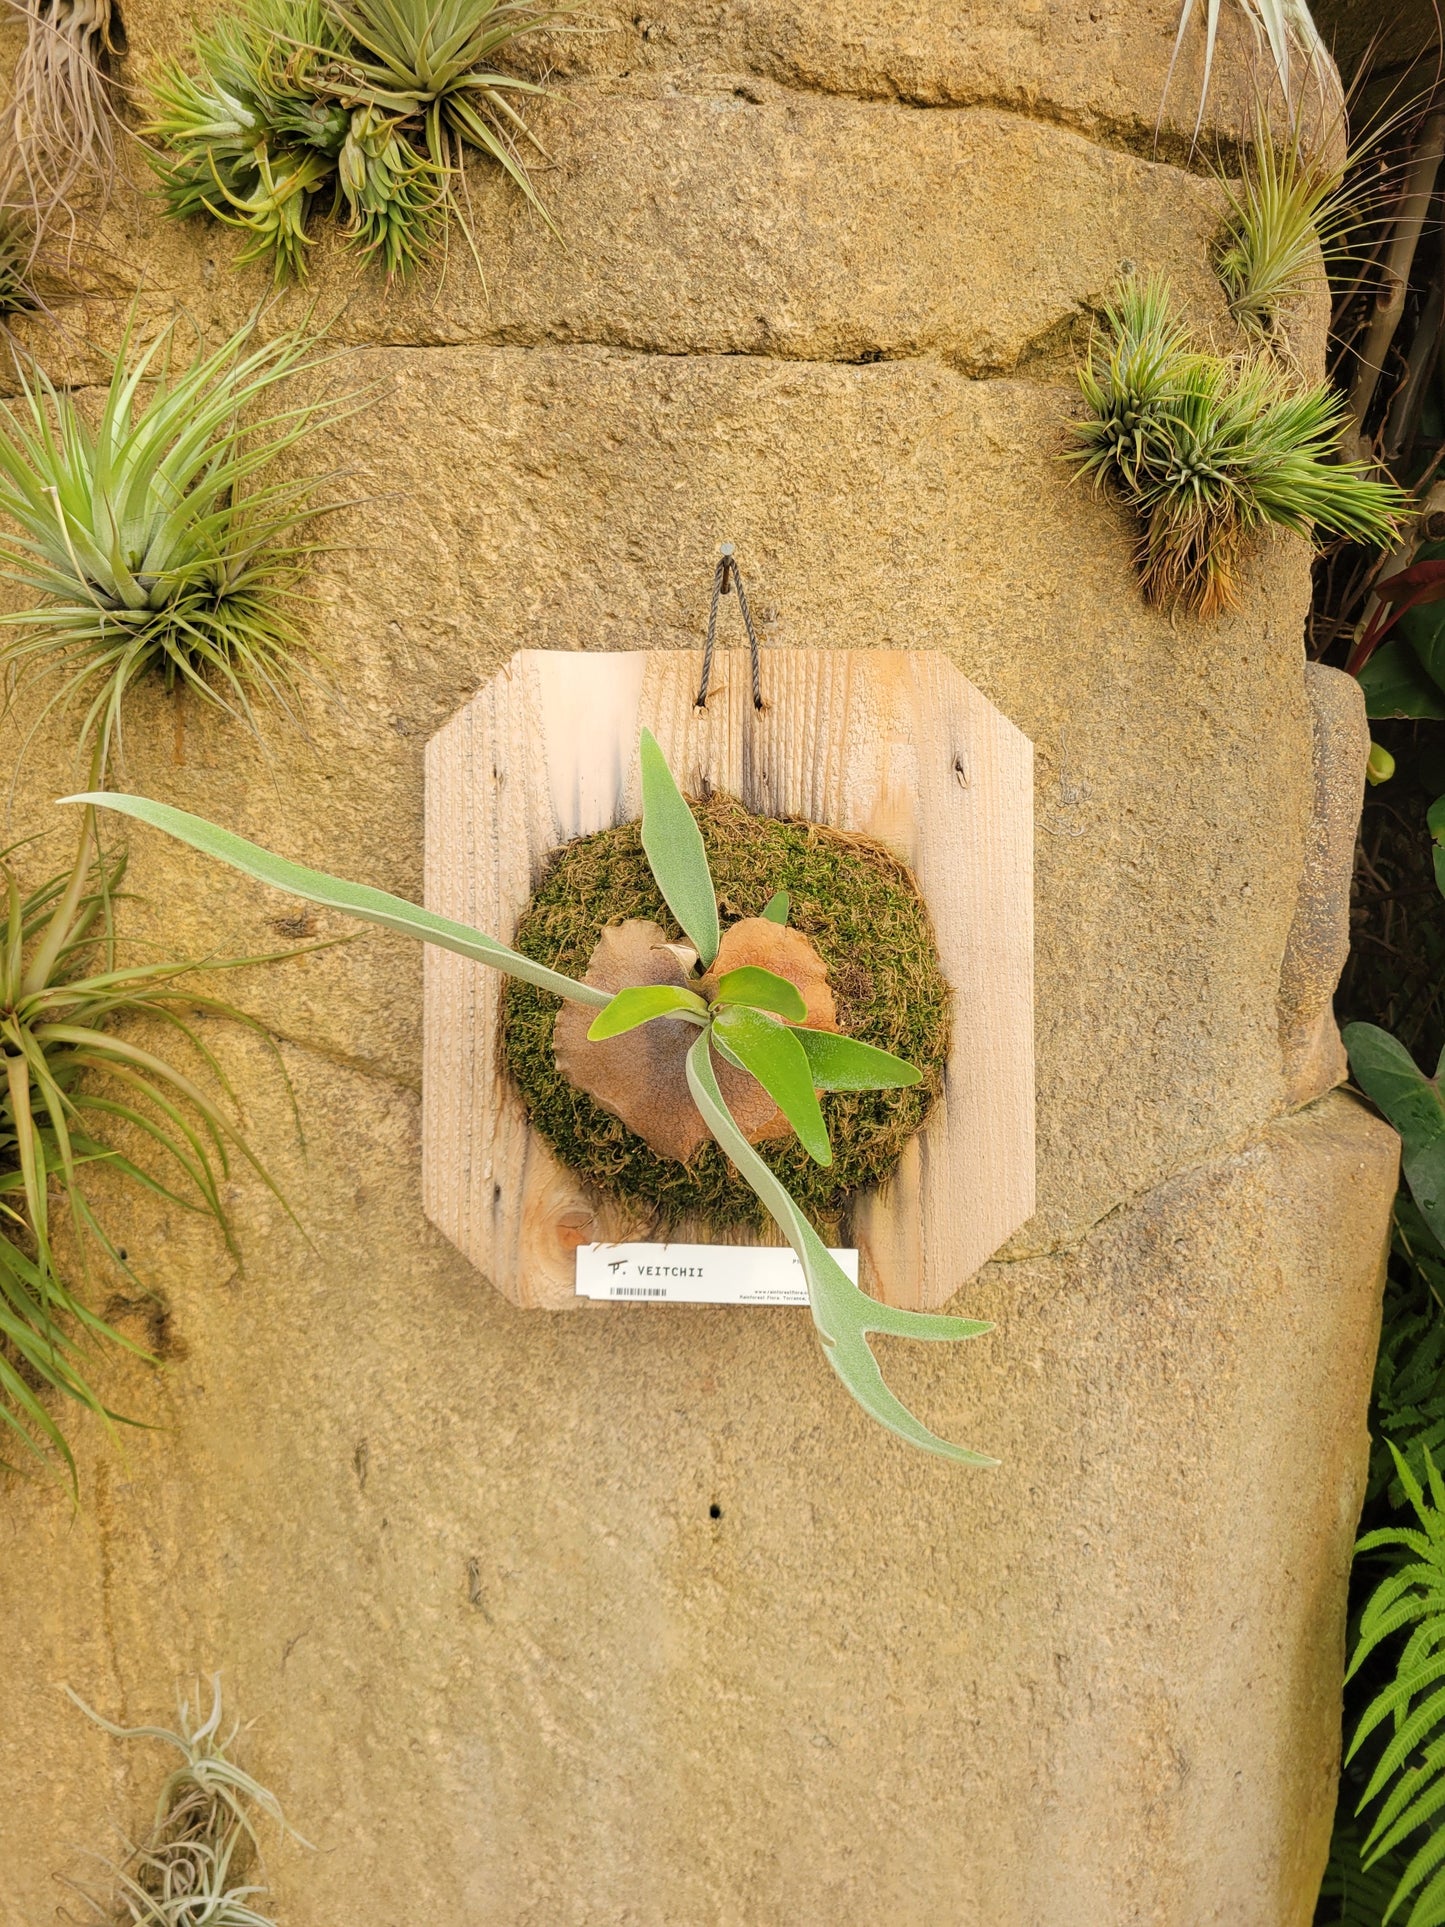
(80, 1094)
(150, 537)
(1284, 212)
(59, 121)
(366, 107)
(1285, 27)
(199, 1866)
(754, 1022)
(1208, 450)
(1406, 1612)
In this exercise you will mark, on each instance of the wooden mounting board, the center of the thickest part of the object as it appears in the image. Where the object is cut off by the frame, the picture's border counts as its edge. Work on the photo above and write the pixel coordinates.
(893, 745)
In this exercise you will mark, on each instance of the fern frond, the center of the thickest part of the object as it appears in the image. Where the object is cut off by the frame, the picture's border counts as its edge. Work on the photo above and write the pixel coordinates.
(1408, 1776)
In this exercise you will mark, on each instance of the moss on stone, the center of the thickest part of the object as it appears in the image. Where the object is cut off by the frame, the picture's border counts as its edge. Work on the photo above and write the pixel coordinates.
(861, 908)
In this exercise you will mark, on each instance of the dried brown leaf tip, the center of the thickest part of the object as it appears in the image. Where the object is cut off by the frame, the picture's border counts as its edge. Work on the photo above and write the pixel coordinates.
(641, 1077)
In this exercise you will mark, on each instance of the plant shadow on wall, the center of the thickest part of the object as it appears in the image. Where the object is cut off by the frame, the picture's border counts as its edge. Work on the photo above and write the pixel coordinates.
(149, 539)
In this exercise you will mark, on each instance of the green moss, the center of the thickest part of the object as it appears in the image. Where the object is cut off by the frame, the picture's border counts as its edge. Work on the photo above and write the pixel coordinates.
(862, 910)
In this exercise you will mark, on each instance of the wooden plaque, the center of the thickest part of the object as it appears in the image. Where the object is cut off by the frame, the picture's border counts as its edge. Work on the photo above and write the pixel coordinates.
(893, 745)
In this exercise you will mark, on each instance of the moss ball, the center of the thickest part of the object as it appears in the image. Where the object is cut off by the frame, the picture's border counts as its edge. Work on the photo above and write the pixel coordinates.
(860, 907)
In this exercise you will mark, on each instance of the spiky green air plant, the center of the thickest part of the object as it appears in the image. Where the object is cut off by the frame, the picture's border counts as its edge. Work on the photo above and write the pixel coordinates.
(1207, 451)
(431, 60)
(369, 106)
(1128, 389)
(1284, 213)
(249, 138)
(149, 538)
(754, 1022)
(396, 197)
(188, 1871)
(71, 1079)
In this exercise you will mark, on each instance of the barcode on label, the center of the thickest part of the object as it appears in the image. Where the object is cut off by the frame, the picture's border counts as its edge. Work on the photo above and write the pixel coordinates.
(639, 1291)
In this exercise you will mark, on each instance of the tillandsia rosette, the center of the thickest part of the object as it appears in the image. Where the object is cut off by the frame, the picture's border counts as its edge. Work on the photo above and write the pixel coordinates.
(1208, 450)
(369, 107)
(159, 532)
(741, 1018)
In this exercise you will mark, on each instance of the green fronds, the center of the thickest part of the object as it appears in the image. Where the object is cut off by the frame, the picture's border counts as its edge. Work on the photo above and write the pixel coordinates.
(1406, 1718)
(200, 1862)
(74, 1075)
(152, 539)
(1284, 213)
(1207, 451)
(1285, 27)
(1409, 1391)
(372, 104)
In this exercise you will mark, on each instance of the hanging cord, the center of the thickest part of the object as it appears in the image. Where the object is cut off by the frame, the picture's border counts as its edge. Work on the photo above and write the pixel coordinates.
(726, 577)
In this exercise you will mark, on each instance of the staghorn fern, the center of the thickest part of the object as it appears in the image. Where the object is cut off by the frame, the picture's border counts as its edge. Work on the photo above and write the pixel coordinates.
(754, 1023)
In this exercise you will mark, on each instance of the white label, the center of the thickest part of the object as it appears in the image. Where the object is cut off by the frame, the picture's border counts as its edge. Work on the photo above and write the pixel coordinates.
(697, 1274)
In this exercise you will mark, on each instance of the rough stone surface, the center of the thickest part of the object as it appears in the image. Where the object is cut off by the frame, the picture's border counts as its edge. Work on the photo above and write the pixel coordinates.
(461, 1561)
(827, 264)
(1319, 937)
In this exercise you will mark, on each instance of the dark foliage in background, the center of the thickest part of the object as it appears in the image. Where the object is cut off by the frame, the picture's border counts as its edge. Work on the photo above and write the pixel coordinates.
(1386, 358)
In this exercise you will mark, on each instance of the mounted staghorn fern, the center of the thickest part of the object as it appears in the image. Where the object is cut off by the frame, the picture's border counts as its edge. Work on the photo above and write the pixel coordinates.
(1208, 451)
(368, 106)
(742, 1041)
(148, 537)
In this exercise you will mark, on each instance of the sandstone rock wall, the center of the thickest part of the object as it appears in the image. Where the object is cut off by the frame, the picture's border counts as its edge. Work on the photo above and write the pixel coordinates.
(825, 271)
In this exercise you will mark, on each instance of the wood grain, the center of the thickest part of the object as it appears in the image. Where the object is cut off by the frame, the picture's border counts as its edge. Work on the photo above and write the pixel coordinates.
(895, 745)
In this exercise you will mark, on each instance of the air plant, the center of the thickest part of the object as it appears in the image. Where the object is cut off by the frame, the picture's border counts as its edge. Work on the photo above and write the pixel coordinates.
(1285, 26)
(1207, 451)
(149, 539)
(72, 1077)
(1408, 1779)
(1285, 211)
(372, 103)
(59, 120)
(744, 1026)
(188, 1870)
